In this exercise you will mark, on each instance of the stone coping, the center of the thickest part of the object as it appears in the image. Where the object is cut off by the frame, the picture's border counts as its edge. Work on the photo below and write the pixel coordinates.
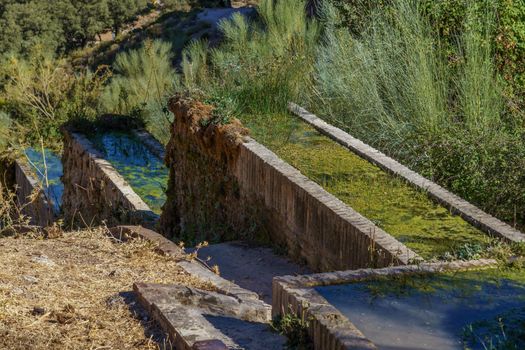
(327, 326)
(41, 210)
(457, 205)
(180, 310)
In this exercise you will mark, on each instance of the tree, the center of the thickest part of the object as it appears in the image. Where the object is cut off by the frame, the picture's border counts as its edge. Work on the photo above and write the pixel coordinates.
(22, 26)
(121, 11)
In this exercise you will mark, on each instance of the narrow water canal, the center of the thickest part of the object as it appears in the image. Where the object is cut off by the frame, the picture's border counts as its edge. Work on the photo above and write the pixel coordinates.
(143, 170)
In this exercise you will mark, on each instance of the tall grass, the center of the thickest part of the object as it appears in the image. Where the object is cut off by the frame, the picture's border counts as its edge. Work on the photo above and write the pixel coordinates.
(261, 65)
(394, 86)
(5, 126)
(143, 80)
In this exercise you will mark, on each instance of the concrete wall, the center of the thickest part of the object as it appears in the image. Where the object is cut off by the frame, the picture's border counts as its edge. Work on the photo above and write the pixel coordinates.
(31, 197)
(220, 175)
(94, 192)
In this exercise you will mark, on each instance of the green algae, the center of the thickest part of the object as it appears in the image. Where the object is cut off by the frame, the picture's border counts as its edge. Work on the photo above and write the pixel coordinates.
(403, 211)
(145, 172)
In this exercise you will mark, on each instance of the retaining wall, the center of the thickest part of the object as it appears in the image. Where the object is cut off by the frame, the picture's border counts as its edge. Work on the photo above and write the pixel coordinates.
(31, 198)
(241, 189)
(94, 192)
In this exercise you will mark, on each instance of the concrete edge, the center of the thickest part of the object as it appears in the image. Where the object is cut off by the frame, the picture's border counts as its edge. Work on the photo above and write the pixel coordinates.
(383, 240)
(41, 210)
(466, 210)
(328, 327)
(151, 143)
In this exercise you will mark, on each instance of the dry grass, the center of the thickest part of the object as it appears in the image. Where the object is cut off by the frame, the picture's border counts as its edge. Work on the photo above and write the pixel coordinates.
(83, 298)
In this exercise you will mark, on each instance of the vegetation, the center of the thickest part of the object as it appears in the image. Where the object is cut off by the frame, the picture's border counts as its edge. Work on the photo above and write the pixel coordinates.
(447, 118)
(435, 102)
(142, 82)
(404, 212)
(295, 329)
(68, 24)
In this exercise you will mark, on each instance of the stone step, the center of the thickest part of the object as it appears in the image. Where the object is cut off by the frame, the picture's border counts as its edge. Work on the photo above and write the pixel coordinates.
(198, 319)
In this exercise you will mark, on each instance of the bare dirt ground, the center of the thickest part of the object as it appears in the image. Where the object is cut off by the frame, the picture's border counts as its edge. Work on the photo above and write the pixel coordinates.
(74, 292)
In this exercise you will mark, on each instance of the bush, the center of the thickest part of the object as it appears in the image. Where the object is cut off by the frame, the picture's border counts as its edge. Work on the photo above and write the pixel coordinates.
(42, 93)
(260, 66)
(143, 80)
(395, 86)
(446, 18)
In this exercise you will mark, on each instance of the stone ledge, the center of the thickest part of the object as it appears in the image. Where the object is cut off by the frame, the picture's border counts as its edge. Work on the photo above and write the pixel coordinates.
(329, 329)
(192, 267)
(184, 313)
(466, 210)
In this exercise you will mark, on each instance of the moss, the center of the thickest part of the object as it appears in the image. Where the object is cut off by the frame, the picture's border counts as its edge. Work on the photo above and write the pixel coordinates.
(145, 173)
(406, 213)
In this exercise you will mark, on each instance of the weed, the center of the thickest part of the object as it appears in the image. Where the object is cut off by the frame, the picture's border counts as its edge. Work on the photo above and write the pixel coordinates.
(295, 329)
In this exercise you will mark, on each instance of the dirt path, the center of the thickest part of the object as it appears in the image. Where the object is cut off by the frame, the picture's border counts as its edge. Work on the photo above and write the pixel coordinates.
(249, 266)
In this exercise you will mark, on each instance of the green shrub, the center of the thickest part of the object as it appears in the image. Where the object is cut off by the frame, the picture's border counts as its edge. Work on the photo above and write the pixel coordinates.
(143, 80)
(260, 66)
(41, 93)
(395, 86)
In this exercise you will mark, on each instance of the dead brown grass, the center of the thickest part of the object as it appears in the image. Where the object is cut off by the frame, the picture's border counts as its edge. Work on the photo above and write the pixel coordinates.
(74, 292)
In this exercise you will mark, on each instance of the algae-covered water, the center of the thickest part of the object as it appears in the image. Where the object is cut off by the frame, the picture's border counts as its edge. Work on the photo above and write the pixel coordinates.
(400, 209)
(145, 172)
(47, 165)
(467, 310)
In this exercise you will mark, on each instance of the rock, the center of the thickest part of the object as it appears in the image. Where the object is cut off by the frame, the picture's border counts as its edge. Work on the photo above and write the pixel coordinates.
(43, 260)
(30, 279)
(38, 311)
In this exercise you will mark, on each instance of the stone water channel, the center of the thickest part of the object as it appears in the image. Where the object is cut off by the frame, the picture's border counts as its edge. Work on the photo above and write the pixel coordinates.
(448, 311)
(140, 167)
(434, 312)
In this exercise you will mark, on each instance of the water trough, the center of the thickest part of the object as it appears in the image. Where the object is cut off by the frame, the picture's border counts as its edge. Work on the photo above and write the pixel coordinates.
(113, 176)
(433, 305)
